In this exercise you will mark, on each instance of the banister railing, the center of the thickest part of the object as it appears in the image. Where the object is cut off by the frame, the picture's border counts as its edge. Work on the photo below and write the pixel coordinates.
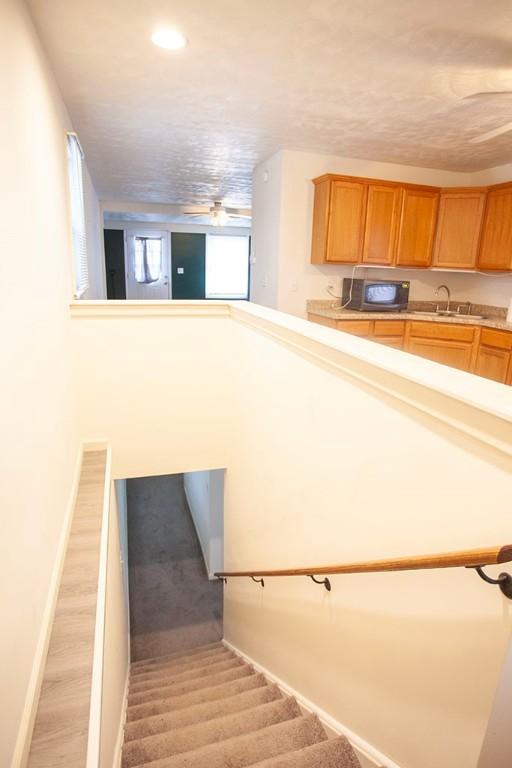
(467, 558)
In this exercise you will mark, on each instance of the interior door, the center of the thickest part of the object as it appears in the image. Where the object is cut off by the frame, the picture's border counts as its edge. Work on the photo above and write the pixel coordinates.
(188, 265)
(147, 264)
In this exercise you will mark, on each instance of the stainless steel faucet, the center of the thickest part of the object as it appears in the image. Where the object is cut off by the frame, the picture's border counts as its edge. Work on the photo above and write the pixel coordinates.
(448, 295)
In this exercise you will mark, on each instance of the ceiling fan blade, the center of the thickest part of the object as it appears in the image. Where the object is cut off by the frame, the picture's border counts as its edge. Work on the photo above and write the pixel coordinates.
(245, 212)
(484, 94)
(195, 210)
(491, 134)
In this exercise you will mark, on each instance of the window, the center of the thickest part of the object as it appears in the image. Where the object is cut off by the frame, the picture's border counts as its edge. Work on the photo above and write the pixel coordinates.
(227, 267)
(147, 262)
(76, 189)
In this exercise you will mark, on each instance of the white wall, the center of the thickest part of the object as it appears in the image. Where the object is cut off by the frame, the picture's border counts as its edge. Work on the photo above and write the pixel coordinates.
(333, 453)
(288, 243)
(39, 433)
(158, 387)
(266, 228)
(205, 496)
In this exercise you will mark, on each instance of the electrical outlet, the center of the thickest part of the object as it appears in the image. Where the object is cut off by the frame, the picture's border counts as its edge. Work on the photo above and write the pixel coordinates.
(331, 283)
(293, 285)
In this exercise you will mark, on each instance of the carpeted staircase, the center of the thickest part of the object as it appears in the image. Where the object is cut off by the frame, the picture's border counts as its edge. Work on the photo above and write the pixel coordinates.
(207, 708)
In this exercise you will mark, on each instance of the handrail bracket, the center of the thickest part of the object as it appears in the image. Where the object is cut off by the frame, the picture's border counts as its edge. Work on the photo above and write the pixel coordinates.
(258, 581)
(325, 582)
(504, 580)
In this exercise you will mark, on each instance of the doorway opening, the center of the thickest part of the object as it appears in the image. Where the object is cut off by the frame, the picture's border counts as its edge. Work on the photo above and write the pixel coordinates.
(172, 526)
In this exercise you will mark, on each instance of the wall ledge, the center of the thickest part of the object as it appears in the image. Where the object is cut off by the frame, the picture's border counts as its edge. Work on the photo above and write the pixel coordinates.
(478, 407)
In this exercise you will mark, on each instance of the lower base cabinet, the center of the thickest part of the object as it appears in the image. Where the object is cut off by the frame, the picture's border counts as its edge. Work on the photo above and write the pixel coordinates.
(486, 352)
(452, 353)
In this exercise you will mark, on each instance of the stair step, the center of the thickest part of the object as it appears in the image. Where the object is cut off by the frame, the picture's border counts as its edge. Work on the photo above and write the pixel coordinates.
(199, 661)
(198, 713)
(192, 737)
(187, 686)
(187, 653)
(203, 695)
(334, 753)
(173, 678)
(240, 751)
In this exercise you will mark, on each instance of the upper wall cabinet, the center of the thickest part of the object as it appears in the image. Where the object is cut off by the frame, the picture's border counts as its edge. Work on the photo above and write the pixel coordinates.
(417, 227)
(459, 224)
(382, 216)
(368, 221)
(496, 246)
(338, 222)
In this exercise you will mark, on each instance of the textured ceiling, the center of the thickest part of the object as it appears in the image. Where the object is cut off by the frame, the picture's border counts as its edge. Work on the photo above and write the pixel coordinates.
(377, 79)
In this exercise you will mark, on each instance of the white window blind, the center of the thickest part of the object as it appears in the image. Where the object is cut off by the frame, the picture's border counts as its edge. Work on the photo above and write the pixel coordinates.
(76, 189)
(227, 267)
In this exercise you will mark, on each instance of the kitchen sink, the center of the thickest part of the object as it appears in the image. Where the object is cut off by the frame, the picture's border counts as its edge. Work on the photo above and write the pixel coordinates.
(444, 313)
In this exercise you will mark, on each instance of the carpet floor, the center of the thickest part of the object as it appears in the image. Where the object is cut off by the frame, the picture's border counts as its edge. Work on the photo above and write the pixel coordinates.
(207, 708)
(173, 605)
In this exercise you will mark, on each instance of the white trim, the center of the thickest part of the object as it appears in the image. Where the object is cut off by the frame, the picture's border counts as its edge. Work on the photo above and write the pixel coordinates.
(118, 754)
(94, 732)
(27, 721)
(133, 308)
(362, 747)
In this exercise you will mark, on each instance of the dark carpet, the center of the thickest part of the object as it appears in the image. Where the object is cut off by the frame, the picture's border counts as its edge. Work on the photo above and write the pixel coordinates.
(173, 605)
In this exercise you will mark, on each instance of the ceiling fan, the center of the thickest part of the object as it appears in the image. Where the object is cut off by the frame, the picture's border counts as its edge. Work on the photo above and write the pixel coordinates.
(488, 135)
(219, 214)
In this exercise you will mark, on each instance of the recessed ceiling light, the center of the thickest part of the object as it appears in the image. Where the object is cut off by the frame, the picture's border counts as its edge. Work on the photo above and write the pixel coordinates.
(169, 38)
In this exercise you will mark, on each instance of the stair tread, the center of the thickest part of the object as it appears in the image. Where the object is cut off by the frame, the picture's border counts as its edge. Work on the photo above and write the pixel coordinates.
(241, 751)
(333, 753)
(191, 737)
(173, 678)
(185, 653)
(187, 686)
(198, 662)
(203, 712)
(176, 703)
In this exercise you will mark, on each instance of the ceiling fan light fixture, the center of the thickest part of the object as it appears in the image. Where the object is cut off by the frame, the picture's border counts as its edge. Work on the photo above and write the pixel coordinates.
(219, 218)
(168, 38)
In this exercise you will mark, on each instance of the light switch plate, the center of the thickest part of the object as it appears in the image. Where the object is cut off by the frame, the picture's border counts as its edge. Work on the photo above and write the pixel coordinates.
(180, 271)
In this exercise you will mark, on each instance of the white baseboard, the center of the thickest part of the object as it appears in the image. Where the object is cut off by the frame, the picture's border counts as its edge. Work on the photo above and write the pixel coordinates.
(367, 754)
(120, 736)
(26, 726)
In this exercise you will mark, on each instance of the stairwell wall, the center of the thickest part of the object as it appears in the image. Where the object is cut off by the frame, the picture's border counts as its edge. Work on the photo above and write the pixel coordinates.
(40, 436)
(336, 449)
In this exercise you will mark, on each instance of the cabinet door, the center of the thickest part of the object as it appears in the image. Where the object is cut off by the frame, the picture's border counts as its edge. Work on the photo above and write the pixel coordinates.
(346, 221)
(382, 212)
(417, 227)
(492, 363)
(496, 245)
(320, 220)
(453, 353)
(458, 228)
(390, 341)
(356, 327)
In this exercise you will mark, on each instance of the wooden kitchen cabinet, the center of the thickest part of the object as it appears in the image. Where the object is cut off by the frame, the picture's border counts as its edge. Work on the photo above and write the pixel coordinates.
(356, 327)
(338, 221)
(417, 227)
(493, 355)
(459, 223)
(496, 244)
(382, 215)
(441, 342)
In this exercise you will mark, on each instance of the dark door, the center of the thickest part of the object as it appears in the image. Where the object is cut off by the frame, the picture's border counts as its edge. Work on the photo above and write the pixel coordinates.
(188, 265)
(114, 263)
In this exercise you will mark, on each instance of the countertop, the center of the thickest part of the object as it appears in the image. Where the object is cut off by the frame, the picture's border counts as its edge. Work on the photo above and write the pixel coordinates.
(336, 313)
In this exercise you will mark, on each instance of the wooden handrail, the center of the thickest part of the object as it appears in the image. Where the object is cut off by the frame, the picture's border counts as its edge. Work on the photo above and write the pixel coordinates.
(466, 558)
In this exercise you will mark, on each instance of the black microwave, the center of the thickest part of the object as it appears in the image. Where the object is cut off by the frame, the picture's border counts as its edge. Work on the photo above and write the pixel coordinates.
(375, 295)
